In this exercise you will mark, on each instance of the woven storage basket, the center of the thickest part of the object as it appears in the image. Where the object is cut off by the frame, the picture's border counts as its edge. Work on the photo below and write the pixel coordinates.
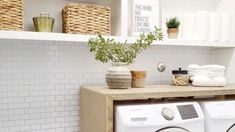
(86, 19)
(11, 14)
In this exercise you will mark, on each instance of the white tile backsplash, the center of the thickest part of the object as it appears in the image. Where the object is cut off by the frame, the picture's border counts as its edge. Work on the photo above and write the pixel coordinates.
(39, 81)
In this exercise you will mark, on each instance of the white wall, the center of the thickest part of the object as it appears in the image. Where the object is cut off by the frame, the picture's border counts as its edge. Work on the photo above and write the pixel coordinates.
(171, 8)
(39, 81)
(179, 8)
(226, 5)
(227, 56)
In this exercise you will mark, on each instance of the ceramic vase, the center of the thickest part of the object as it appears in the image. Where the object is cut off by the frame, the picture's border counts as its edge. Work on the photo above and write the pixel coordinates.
(118, 76)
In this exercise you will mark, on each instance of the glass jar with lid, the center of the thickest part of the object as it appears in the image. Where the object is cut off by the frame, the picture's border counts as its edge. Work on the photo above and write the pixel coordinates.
(180, 78)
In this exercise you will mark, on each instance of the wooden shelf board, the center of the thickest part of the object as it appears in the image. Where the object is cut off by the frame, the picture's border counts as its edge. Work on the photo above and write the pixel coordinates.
(162, 91)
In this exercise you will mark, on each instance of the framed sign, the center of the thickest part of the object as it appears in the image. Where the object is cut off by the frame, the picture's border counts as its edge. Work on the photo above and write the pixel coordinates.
(145, 15)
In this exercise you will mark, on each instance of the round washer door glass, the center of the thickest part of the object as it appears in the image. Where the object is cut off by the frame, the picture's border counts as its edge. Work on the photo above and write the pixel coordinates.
(231, 129)
(173, 129)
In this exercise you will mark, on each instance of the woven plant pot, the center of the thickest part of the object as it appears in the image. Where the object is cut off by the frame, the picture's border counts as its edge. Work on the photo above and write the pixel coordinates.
(172, 33)
(118, 76)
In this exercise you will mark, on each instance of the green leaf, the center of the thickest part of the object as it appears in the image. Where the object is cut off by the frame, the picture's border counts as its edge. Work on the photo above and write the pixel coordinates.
(173, 22)
(109, 50)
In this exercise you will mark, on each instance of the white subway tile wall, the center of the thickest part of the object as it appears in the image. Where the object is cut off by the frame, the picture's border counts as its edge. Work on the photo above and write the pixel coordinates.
(39, 81)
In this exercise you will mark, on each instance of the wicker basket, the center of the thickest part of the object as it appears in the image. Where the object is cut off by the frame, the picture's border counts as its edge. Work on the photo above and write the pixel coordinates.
(11, 14)
(86, 19)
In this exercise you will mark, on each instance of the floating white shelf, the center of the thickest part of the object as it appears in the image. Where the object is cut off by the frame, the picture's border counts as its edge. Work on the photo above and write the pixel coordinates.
(39, 36)
(197, 43)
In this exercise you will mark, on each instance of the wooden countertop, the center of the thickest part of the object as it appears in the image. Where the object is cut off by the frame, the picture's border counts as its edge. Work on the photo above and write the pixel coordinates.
(161, 91)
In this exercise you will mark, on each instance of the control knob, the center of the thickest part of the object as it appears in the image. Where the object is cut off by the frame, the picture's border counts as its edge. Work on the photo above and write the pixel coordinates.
(168, 114)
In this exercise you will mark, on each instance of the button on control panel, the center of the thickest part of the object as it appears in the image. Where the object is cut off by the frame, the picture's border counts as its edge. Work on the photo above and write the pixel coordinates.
(187, 111)
(168, 114)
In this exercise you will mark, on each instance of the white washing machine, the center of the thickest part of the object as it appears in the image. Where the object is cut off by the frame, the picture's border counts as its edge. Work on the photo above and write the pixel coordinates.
(219, 116)
(172, 117)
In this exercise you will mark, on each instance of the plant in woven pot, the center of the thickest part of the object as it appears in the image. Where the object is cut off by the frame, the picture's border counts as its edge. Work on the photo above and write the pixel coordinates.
(121, 55)
(173, 27)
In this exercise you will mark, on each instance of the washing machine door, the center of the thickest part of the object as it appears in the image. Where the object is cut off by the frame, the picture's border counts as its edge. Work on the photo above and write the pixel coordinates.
(231, 129)
(173, 129)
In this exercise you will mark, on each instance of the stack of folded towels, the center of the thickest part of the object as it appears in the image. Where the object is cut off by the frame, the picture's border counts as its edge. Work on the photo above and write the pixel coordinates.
(207, 75)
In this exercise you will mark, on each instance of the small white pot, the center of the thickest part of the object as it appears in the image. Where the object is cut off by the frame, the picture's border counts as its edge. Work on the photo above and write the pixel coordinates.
(118, 76)
(172, 33)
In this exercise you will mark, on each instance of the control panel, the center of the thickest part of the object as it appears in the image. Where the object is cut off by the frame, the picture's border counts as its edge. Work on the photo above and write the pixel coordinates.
(187, 111)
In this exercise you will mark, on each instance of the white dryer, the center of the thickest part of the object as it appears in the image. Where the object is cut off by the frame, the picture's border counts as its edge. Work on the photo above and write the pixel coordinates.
(219, 116)
(172, 117)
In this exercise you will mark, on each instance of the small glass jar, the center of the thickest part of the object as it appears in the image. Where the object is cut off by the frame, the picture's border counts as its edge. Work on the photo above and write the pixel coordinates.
(180, 78)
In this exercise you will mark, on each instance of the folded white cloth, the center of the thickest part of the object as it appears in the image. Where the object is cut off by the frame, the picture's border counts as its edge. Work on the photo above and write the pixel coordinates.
(206, 67)
(205, 81)
(198, 72)
(195, 67)
(214, 67)
(206, 73)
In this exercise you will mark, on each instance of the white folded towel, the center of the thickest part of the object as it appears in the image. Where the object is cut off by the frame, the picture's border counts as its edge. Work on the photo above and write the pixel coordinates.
(198, 72)
(206, 73)
(195, 67)
(206, 67)
(214, 67)
(205, 81)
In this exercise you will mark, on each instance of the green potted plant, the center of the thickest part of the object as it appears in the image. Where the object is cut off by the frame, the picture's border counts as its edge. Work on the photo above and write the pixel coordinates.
(121, 55)
(173, 27)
